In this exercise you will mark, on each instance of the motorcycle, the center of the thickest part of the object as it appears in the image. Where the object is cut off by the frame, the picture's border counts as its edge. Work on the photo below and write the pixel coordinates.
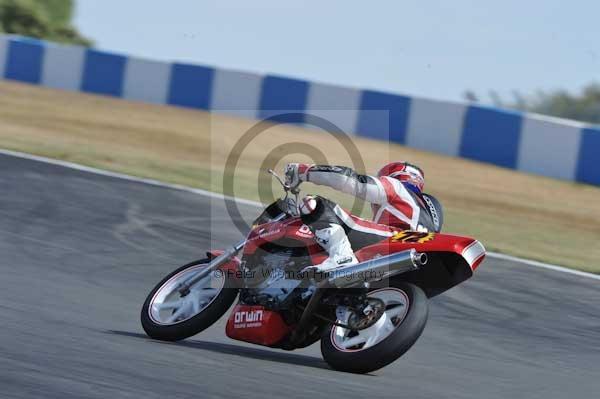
(366, 315)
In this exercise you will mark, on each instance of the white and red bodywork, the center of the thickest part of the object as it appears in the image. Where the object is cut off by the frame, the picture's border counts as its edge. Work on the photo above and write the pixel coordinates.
(452, 259)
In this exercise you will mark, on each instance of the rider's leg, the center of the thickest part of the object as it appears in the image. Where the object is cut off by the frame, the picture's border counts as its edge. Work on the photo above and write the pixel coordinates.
(330, 232)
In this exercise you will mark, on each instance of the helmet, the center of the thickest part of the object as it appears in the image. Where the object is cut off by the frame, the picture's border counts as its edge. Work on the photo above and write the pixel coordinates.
(410, 175)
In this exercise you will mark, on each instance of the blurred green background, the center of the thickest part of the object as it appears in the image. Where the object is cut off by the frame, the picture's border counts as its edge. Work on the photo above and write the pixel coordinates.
(42, 19)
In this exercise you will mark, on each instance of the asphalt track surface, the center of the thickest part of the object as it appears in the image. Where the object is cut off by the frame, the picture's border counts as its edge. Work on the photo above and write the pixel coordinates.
(79, 252)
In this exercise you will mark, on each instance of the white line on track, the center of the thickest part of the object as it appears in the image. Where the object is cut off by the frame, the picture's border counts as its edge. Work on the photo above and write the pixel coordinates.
(206, 193)
(123, 176)
(542, 265)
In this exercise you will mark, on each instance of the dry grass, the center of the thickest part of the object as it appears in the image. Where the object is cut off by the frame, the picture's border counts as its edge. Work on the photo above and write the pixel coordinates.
(514, 213)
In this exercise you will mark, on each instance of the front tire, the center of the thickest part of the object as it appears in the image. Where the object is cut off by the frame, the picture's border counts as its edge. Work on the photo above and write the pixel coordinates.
(168, 316)
(390, 337)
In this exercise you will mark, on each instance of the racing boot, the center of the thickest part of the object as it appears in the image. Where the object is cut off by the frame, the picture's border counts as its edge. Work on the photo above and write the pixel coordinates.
(334, 240)
(319, 214)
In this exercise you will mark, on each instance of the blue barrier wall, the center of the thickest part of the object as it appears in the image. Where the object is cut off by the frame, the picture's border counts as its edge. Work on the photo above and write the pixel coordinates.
(547, 146)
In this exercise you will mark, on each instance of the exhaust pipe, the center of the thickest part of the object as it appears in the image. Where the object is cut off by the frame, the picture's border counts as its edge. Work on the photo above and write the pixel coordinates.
(377, 269)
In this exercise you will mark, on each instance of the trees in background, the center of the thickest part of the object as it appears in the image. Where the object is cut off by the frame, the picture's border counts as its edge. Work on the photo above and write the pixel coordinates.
(583, 106)
(42, 19)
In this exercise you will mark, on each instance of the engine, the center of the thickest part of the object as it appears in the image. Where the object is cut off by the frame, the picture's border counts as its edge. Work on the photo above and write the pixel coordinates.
(271, 277)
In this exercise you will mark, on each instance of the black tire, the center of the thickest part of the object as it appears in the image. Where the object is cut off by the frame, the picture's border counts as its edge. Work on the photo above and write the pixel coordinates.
(388, 350)
(207, 317)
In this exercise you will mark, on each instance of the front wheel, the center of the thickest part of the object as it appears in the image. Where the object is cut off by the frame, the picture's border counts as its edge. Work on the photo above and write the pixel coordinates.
(168, 315)
(403, 311)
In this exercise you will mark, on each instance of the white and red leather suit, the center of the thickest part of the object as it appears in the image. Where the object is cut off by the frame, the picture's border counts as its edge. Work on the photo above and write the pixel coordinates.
(393, 195)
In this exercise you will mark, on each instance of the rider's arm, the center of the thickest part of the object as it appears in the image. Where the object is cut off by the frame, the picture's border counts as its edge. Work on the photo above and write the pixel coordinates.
(346, 180)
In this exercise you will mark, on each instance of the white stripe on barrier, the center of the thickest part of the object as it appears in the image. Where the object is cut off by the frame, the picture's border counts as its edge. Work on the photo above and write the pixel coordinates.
(206, 193)
(3, 54)
(63, 66)
(435, 126)
(236, 93)
(549, 147)
(146, 80)
(338, 105)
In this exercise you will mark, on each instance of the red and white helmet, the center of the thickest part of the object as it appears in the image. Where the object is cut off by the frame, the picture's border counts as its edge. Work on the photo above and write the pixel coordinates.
(409, 174)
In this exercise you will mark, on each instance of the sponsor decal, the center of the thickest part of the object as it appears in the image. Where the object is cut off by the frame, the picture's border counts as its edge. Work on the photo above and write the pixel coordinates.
(326, 168)
(304, 231)
(412, 236)
(264, 232)
(432, 211)
(248, 319)
(269, 233)
(322, 241)
(344, 260)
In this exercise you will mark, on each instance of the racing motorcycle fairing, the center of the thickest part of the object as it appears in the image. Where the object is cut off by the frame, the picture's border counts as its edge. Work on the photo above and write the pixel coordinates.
(451, 258)
(292, 231)
(233, 264)
(471, 250)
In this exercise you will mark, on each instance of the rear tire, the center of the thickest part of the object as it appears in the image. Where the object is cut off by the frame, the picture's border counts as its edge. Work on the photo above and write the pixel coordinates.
(207, 316)
(386, 351)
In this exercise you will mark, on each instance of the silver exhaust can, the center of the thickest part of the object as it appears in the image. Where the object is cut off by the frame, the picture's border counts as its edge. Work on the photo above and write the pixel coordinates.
(377, 269)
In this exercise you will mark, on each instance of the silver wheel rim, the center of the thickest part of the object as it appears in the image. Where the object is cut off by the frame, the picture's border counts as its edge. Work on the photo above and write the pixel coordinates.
(168, 307)
(396, 307)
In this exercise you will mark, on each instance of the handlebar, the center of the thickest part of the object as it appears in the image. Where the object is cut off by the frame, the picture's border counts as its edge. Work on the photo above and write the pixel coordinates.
(279, 179)
(287, 189)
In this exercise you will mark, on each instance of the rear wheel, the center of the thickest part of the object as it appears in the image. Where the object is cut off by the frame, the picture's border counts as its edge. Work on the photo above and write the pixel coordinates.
(170, 316)
(401, 318)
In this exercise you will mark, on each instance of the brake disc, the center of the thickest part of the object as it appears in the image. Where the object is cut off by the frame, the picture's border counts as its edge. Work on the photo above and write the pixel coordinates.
(367, 314)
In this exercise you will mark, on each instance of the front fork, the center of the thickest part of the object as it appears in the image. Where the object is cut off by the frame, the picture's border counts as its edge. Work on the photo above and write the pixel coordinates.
(226, 256)
(184, 287)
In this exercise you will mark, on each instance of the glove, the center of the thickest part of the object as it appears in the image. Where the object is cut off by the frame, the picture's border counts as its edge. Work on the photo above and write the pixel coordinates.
(296, 173)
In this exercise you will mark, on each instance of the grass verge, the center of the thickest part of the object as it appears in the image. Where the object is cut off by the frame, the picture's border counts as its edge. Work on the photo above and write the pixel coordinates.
(514, 213)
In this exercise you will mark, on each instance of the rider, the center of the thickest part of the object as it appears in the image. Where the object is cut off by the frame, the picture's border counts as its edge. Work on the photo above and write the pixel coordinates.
(396, 199)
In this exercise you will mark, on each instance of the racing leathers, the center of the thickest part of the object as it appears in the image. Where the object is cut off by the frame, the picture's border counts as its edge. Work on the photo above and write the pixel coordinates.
(394, 208)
